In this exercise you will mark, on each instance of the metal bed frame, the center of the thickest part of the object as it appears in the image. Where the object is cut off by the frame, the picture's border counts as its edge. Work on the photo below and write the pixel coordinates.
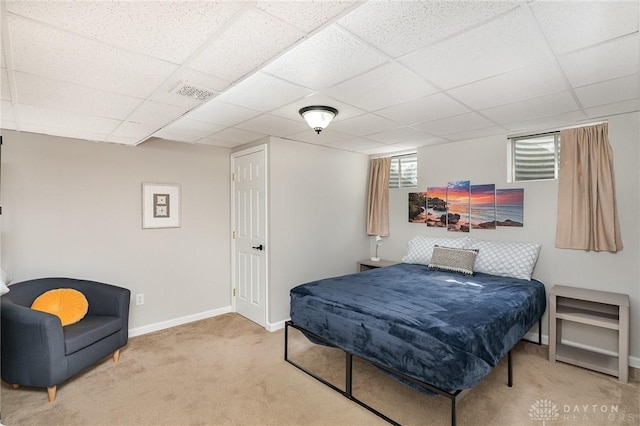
(453, 396)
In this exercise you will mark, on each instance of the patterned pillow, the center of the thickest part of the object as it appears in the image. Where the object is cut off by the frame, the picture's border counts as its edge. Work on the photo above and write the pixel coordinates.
(453, 259)
(420, 247)
(505, 258)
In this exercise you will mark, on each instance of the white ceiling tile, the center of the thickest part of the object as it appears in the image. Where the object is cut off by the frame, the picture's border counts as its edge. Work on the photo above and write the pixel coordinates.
(274, 126)
(325, 59)
(5, 91)
(222, 113)
(8, 125)
(512, 86)
(428, 108)
(59, 55)
(133, 130)
(401, 27)
(541, 106)
(34, 90)
(193, 127)
(305, 15)
(613, 109)
(365, 124)
(386, 85)
(67, 132)
(123, 140)
(403, 134)
(477, 133)
(52, 118)
(573, 25)
(458, 123)
(547, 123)
(504, 44)
(219, 143)
(325, 137)
(6, 111)
(249, 41)
(263, 92)
(240, 136)
(608, 92)
(355, 144)
(172, 31)
(175, 136)
(166, 92)
(156, 114)
(291, 111)
(603, 62)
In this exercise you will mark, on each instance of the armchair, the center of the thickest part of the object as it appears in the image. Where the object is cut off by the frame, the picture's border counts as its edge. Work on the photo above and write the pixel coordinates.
(38, 351)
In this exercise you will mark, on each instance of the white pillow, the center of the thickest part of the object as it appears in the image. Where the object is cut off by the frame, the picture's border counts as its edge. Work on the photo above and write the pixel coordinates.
(420, 247)
(505, 258)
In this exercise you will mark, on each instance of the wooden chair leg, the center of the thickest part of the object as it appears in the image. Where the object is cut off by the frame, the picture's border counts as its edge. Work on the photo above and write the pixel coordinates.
(14, 386)
(116, 356)
(51, 392)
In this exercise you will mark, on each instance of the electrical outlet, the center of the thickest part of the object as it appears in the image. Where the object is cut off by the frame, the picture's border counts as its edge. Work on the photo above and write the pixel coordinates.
(140, 299)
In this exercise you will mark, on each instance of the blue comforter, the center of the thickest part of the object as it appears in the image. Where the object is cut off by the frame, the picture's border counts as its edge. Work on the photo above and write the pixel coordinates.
(445, 329)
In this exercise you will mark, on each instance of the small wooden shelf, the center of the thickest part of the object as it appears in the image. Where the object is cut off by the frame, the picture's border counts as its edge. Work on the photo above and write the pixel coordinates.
(595, 308)
(365, 265)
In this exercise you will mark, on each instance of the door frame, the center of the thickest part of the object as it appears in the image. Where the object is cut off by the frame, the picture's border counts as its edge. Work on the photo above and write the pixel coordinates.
(262, 147)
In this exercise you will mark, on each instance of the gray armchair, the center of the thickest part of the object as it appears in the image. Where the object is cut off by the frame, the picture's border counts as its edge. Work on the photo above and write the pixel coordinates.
(38, 351)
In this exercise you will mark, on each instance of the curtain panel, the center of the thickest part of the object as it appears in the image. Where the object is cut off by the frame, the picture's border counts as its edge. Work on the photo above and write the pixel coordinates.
(378, 201)
(587, 210)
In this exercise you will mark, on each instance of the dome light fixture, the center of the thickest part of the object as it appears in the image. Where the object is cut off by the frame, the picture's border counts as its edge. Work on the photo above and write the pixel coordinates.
(318, 116)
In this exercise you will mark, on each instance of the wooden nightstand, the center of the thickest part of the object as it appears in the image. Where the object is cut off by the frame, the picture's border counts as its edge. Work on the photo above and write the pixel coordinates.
(596, 308)
(365, 265)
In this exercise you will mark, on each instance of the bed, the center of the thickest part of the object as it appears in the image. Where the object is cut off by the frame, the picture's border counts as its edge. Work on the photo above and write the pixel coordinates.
(439, 331)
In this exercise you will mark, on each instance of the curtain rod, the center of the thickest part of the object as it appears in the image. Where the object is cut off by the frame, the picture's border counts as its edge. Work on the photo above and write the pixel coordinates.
(552, 131)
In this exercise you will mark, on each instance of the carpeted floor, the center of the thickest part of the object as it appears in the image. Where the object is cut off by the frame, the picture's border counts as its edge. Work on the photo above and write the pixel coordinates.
(227, 370)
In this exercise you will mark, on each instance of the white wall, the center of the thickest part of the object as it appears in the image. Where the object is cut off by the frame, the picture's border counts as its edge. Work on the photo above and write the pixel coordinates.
(317, 207)
(73, 208)
(484, 161)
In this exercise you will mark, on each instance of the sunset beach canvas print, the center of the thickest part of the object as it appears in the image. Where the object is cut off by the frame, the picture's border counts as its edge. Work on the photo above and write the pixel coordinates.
(483, 206)
(510, 207)
(458, 206)
(417, 207)
(437, 206)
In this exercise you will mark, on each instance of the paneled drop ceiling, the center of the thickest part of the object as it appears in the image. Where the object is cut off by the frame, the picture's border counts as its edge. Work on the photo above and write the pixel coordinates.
(403, 74)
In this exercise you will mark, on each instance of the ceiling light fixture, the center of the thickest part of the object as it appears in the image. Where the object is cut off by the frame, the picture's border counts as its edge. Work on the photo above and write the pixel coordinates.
(318, 116)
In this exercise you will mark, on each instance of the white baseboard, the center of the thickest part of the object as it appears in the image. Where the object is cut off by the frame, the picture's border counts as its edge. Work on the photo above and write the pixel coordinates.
(138, 331)
(533, 336)
(276, 325)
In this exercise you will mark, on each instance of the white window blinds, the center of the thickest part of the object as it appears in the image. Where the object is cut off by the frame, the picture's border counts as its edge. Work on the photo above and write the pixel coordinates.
(404, 171)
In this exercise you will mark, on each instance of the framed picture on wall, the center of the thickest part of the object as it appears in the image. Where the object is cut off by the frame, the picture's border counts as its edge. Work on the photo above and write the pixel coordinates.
(160, 205)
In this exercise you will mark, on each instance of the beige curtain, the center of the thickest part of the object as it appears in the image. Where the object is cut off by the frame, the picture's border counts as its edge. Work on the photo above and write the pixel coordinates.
(378, 205)
(587, 211)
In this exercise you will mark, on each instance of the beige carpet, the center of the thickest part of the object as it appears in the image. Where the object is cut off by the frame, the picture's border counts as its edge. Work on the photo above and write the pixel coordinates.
(227, 370)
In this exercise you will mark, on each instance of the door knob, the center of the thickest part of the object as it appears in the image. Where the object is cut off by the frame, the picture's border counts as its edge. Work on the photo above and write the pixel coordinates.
(260, 247)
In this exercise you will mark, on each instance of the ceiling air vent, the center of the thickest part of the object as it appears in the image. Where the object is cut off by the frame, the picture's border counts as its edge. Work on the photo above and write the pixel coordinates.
(192, 91)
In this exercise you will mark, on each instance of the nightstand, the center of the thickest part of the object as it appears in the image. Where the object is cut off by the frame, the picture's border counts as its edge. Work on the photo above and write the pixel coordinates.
(596, 308)
(365, 265)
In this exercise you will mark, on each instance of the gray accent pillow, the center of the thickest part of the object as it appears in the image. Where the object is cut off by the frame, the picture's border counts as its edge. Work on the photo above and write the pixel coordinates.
(453, 259)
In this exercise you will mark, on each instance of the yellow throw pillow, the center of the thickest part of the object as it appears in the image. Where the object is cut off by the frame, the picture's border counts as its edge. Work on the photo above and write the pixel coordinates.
(68, 304)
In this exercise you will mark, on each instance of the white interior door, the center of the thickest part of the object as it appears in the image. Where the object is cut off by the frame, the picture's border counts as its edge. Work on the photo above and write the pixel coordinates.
(250, 239)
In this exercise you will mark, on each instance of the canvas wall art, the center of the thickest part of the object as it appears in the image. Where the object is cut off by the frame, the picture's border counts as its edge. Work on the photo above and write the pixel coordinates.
(483, 206)
(510, 207)
(437, 206)
(417, 207)
(458, 206)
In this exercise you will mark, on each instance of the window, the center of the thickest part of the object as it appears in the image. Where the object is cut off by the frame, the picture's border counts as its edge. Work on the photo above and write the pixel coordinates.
(404, 171)
(535, 157)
